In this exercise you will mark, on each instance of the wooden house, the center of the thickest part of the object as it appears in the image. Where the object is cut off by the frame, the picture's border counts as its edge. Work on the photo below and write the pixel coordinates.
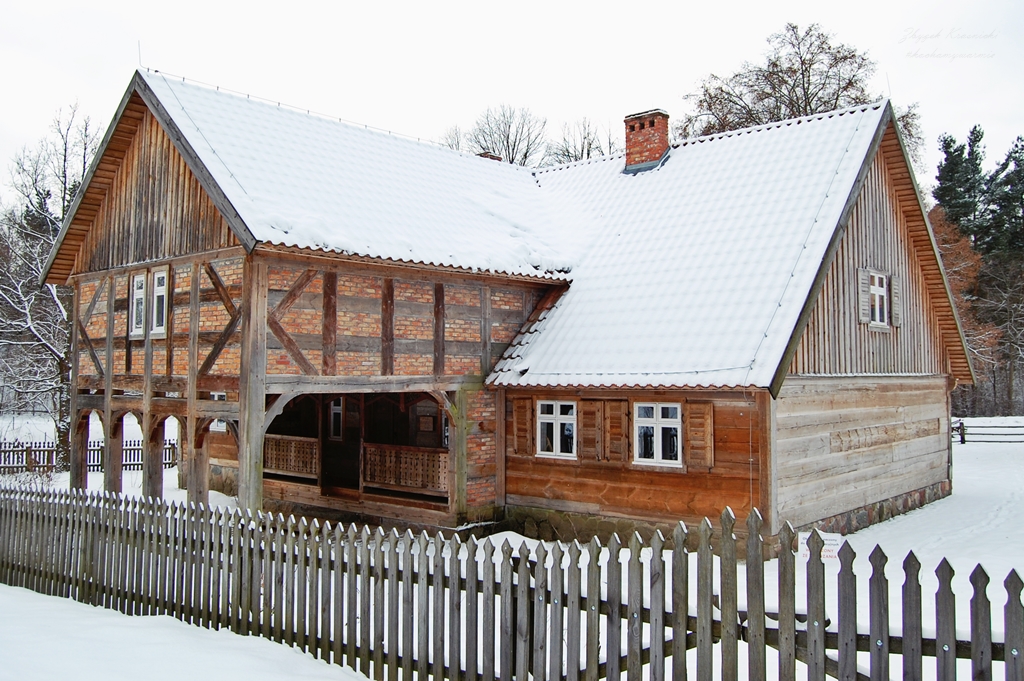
(349, 320)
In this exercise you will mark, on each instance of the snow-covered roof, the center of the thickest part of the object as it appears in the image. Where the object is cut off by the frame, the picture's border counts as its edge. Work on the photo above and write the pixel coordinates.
(305, 180)
(690, 274)
(699, 268)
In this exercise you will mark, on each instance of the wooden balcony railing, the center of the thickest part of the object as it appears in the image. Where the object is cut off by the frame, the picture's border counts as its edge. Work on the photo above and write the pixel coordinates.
(288, 455)
(420, 470)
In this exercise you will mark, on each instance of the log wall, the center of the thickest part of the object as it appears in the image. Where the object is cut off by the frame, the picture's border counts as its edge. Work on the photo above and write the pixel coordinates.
(845, 443)
(604, 480)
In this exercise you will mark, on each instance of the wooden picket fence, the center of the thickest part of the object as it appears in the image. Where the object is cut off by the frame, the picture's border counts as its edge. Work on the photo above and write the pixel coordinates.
(20, 457)
(403, 606)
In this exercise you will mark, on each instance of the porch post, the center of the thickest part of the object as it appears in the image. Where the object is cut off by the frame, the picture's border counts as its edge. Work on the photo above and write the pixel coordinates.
(80, 451)
(113, 454)
(152, 458)
(199, 471)
(252, 386)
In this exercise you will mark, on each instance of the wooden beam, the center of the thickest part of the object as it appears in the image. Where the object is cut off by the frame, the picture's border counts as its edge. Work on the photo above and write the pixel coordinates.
(252, 389)
(330, 324)
(293, 293)
(191, 423)
(387, 328)
(279, 384)
(439, 316)
(152, 462)
(219, 287)
(293, 349)
(108, 391)
(84, 336)
(485, 330)
(499, 447)
(77, 450)
(222, 341)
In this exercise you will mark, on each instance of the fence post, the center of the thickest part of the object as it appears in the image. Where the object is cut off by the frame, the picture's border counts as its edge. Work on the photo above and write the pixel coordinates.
(879, 608)
(815, 609)
(847, 614)
(945, 624)
(981, 627)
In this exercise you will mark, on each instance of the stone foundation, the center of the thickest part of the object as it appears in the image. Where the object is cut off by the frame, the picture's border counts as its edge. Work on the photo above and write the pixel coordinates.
(549, 525)
(859, 518)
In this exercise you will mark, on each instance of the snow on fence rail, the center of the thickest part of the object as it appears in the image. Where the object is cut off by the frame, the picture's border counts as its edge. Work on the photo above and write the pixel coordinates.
(20, 457)
(395, 605)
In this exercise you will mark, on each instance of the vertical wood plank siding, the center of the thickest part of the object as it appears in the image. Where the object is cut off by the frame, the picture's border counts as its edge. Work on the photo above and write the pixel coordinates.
(154, 209)
(835, 341)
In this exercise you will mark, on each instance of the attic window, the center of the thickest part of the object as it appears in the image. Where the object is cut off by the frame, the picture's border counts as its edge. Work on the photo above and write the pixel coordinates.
(138, 308)
(879, 299)
(632, 127)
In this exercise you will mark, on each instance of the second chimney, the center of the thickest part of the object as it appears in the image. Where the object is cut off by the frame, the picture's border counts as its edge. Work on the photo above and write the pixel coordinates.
(646, 139)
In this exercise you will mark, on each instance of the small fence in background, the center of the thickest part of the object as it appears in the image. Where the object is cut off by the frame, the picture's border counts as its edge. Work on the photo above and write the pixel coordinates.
(425, 607)
(21, 457)
(977, 432)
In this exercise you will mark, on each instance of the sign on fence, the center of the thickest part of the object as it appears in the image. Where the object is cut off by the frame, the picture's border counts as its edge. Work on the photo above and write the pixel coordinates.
(830, 552)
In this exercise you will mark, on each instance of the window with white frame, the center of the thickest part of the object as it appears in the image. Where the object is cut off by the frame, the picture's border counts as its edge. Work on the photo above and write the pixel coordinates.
(879, 293)
(159, 303)
(556, 429)
(656, 433)
(138, 308)
(337, 418)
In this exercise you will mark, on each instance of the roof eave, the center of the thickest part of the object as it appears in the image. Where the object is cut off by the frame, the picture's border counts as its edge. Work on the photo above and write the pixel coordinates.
(44, 277)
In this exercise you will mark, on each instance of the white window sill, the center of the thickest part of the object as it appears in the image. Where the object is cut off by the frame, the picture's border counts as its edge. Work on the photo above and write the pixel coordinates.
(549, 455)
(663, 465)
(880, 327)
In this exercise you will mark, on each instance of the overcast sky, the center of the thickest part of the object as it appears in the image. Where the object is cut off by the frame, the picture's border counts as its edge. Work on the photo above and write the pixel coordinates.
(419, 67)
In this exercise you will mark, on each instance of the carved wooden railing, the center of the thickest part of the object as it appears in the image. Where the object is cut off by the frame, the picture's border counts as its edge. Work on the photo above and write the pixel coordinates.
(288, 455)
(407, 469)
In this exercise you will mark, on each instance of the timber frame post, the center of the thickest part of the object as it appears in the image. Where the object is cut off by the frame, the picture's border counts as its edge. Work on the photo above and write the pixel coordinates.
(252, 384)
(152, 458)
(80, 451)
(457, 448)
(113, 454)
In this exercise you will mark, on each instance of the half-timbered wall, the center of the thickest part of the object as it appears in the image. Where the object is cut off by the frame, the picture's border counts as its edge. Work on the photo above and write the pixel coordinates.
(844, 443)
(387, 325)
(835, 340)
(604, 480)
(154, 209)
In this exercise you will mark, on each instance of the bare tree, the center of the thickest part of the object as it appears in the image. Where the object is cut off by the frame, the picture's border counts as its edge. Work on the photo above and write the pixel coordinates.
(516, 135)
(35, 352)
(453, 138)
(580, 140)
(804, 73)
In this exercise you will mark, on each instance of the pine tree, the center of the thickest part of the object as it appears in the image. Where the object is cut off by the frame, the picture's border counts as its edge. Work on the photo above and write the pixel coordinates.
(961, 184)
(1005, 194)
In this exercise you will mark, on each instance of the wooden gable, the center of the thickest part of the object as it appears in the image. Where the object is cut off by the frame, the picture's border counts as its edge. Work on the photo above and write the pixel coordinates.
(153, 207)
(146, 197)
(886, 231)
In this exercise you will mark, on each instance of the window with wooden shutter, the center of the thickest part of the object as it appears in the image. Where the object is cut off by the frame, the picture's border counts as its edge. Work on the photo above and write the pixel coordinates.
(699, 445)
(591, 422)
(896, 301)
(864, 295)
(522, 419)
(616, 430)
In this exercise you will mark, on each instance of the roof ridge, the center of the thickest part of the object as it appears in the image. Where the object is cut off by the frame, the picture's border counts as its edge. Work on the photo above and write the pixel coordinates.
(310, 112)
(785, 122)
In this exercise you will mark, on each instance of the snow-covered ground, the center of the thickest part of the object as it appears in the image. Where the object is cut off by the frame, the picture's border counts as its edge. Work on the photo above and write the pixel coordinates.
(978, 523)
(46, 638)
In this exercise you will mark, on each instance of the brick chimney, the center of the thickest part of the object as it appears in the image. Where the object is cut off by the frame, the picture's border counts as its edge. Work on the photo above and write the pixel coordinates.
(646, 139)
